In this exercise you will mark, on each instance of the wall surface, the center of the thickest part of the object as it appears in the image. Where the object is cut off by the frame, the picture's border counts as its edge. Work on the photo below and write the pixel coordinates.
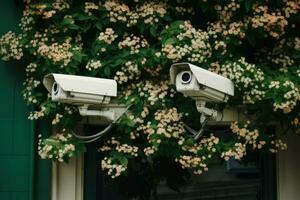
(289, 170)
(16, 138)
(23, 176)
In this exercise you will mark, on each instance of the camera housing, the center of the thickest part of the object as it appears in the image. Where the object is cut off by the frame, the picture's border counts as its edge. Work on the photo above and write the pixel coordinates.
(203, 86)
(200, 84)
(80, 90)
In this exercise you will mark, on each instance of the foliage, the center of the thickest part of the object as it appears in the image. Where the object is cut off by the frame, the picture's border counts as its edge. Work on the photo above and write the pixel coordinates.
(255, 43)
(60, 147)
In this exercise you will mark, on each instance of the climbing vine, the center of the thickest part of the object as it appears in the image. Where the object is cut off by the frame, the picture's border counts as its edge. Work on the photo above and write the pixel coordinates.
(255, 43)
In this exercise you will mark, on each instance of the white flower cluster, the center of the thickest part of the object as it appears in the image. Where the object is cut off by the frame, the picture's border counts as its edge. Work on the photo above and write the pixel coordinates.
(220, 45)
(117, 11)
(282, 60)
(237, 152)
(127, 149)
(38, 39)
(278, 145)
(10, 46)
(225, 13)
(154, 91)
(112, 165)
(246, 77)
(169, 124)
(215, 67)
(37, 114)
(140, 119)
(130, 71)
(45, 10)
(57, 118)
(41, 9)
(27, 19)
(60, 5)
(251, 137)
(113, 143)
(134, 43)
(89, 7)
(31, 68)
(297, 43)
(93, 65)
(291, 7)
(192, 43)
(207, 143)
(150, 150)
(298, 72)
(113, 170)
(70, 110)
(184, 10)
(149, 12)
(30, 84)
(56, 147)
(57, 53)
(273, 23)
(196, 163)
(286, 101)
(108, 36)
(220, 30)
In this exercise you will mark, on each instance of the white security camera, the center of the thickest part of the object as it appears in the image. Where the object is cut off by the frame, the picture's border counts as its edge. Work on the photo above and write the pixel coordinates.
(203, 86)
(80, 90)
(91, 95)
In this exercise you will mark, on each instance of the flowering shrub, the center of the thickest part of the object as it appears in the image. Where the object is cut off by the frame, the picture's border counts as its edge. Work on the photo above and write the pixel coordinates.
(254, 43)
(60, 147)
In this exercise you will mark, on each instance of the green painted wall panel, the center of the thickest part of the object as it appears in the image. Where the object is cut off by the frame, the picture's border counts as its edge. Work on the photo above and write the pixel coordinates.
(22, 137)
(5, 195)
(14, 173)
(7, 94)
(16, 133)
(6, 133)
(23, 176)
(20, 196)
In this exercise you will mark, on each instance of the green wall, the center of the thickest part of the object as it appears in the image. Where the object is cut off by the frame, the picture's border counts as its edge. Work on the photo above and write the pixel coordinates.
(22, 175)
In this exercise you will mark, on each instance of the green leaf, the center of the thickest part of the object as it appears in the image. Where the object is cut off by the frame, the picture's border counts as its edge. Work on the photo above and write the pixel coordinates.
(67, 21)
(123, 161)
(153, 31)
(170, 41)
(81, 17)
(74, 27)
(117, 62)
(141, 27)
(248, 5)
(77, 56)
(99, 26)
(107, 71)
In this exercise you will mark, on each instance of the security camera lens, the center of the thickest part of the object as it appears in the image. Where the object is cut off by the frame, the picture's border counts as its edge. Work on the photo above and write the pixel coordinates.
(186, 77)
(55, 88)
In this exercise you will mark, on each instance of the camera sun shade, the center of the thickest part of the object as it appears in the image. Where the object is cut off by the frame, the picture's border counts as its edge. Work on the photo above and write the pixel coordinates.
(79, 89)
(204, 77)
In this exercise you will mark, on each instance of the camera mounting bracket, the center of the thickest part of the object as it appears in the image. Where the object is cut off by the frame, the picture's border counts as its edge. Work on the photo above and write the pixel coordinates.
(109, 114)
(206, 113)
